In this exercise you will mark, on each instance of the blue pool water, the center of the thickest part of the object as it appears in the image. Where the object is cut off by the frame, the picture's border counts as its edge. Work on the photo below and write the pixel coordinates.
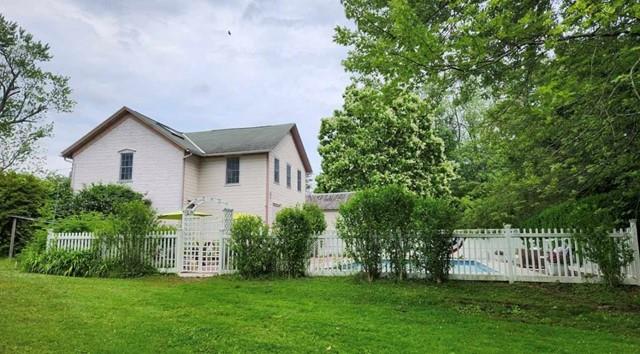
(458, 266)
(463, 266)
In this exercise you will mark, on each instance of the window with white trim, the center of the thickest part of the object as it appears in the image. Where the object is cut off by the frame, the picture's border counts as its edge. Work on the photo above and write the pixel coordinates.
(288, 176)
(276, 170)
(126, 166)
(233, 170)
(299, 181)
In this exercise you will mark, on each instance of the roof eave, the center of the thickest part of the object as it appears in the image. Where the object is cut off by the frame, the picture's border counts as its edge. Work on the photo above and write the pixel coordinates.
(68, 152)
(93, 133)
(301, 151)
(244, 152)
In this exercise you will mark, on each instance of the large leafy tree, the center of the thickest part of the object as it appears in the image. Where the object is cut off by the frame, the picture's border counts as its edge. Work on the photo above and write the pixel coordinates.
(27, 94)
(562, 77)
(22, 195)
(382, 138)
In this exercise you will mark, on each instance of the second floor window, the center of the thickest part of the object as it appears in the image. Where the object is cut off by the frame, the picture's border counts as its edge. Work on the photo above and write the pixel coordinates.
(276, 170)
(126, 166)
(233, 170)
(288, 176)
(299, 181)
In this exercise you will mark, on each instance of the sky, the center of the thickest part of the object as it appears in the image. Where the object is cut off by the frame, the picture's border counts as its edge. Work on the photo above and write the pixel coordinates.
(175, 62)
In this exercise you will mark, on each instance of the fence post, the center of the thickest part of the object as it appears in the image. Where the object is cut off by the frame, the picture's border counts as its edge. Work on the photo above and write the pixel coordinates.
(13, 236)
(633, 232)
(49, 238)
(179, 251)
(223, 255)
(507, 236)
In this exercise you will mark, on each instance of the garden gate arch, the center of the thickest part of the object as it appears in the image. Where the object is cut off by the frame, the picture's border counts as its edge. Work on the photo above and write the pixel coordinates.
(205, 234)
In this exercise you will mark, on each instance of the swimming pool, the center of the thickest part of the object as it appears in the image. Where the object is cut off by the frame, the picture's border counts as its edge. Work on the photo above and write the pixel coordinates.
(468, 266)
(458, 266)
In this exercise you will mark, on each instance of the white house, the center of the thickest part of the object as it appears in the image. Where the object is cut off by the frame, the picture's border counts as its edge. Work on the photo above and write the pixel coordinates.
(256, 170)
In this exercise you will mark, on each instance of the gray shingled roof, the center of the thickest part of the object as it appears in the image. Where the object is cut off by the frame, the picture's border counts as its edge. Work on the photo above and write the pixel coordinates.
(329, 201)
(223, 141)
(172, 134)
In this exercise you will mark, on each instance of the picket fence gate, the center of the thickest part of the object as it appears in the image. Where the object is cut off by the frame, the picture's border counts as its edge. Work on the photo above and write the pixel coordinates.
(507, 254)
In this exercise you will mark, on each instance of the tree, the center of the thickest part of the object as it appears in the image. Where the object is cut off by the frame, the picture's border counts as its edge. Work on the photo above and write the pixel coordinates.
(105, 198)
(22, 195)
(27, 94)
(61, 200)
(561, 77)
(382, 138)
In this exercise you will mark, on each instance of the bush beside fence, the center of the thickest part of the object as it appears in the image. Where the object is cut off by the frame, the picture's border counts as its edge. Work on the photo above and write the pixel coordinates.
(162, 246)
(507, 254)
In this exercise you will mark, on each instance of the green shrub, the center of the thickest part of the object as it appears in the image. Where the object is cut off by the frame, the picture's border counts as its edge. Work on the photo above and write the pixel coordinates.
(68, 263)
(36, 259)
(294, 238)
(433, 222)
(375, 223)
(127, 232)
(31, 256)
(316, 218)
(575, 214)
(121, 248)
(609, 253)
(254, 253)
(84, 222)
(595, 216)
(355, 226)
(23, 195)
(60, 200)
(105, 198)
(165, 228)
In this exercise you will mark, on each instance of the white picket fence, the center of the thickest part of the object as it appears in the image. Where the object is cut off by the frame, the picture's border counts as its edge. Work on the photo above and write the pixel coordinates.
(165, 256)
(507, 254)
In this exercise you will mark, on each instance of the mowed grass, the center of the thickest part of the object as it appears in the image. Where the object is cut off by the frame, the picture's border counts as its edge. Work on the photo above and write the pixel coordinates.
(40, 313)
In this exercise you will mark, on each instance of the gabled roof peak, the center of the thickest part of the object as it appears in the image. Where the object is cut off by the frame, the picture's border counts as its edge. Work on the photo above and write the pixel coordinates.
(214, 142)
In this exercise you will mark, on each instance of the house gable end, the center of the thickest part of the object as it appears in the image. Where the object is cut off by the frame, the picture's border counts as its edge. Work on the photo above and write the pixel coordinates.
(111, 122)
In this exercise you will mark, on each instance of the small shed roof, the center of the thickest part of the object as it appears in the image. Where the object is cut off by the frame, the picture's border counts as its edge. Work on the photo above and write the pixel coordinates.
(329, 201)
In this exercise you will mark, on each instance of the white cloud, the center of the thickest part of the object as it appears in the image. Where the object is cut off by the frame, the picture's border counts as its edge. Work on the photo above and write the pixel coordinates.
(175, 62)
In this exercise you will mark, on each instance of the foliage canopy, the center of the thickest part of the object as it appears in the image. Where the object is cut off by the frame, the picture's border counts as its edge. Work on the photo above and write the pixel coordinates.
(380, 139)
(27, 94)
(560, 84)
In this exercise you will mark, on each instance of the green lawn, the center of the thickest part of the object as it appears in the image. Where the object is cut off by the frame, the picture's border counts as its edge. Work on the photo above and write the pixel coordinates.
(41, 313)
